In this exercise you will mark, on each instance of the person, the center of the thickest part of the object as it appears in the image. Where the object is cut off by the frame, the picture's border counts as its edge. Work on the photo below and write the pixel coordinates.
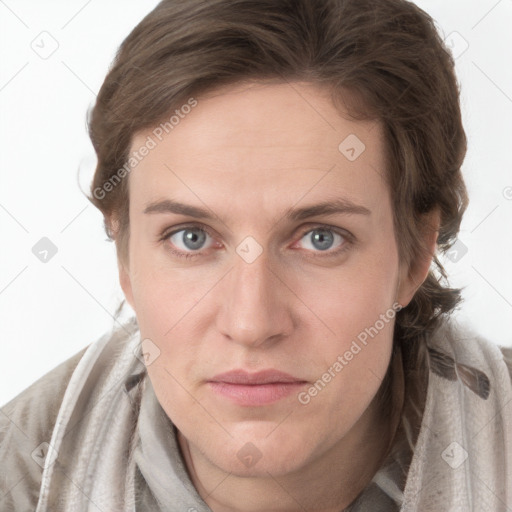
(280, 178)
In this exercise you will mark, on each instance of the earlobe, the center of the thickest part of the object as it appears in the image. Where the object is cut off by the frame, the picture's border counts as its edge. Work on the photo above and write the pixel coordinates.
(418, 270)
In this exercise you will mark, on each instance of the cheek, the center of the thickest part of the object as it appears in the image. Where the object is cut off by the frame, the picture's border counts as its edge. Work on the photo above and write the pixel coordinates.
(351, 362)
(163, 297)
(170, 312)
(340, 397)
(353, 297)
(358, 305)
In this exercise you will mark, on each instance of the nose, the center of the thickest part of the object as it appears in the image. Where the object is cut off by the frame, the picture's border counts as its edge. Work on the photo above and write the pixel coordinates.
(255, 304)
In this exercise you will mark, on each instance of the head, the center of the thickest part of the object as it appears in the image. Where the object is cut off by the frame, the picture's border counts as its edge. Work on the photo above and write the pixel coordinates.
(256, 111)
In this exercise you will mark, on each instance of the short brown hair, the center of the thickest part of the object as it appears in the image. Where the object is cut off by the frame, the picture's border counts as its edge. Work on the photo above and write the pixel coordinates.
(387, 52)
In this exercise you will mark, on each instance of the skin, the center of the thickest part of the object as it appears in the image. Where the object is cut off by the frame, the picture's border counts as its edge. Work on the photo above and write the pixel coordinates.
(248, 153)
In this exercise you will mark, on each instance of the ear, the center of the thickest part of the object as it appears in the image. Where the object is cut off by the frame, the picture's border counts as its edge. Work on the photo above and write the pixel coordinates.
(125, 282)
(413, 275)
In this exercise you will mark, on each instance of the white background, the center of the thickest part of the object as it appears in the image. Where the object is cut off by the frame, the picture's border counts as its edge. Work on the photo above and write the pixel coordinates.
(49, 311)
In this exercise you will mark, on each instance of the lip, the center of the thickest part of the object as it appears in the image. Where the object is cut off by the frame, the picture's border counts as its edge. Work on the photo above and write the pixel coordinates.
(255, 389)
(269, 376)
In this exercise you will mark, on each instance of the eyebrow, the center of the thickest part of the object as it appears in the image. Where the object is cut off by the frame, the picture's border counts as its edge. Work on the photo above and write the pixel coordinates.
(336, 206)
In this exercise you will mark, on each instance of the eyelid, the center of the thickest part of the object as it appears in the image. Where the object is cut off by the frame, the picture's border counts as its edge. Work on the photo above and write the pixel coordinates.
(167, 232)
(318, 225)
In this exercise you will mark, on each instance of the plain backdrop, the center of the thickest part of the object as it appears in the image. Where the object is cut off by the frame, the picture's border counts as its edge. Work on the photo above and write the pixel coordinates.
(55, 55)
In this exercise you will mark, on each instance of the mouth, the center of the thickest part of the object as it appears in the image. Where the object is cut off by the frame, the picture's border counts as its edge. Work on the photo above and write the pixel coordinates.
(255, 389)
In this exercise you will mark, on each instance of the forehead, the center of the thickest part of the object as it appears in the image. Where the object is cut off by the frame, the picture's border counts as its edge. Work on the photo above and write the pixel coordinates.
(258, 139)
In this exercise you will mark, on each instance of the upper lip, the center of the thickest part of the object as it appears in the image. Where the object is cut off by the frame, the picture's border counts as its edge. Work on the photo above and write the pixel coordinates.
(269, 376)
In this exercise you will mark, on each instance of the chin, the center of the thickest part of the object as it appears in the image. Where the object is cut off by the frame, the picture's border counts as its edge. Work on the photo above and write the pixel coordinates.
(255, 452)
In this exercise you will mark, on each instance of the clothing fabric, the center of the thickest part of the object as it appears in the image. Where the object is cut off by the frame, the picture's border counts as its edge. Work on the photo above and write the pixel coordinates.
(92, 436)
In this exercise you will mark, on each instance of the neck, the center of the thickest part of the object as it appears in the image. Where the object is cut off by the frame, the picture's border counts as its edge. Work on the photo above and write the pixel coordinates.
(329, 484)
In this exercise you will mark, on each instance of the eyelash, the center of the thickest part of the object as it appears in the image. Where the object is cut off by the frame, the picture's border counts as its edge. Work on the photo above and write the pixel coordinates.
(347, 236)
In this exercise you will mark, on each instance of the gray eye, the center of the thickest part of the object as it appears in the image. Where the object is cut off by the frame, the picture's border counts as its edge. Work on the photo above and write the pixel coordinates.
(191, 239)
(320, 239)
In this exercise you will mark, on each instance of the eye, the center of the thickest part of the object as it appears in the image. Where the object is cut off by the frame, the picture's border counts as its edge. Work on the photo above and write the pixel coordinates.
(188, 240)
(322, 239)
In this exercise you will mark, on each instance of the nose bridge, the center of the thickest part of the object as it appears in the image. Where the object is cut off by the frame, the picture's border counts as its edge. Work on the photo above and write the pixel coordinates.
(254, 309)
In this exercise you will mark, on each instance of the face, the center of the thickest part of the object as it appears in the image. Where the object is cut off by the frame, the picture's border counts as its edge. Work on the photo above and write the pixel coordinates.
(264, 278)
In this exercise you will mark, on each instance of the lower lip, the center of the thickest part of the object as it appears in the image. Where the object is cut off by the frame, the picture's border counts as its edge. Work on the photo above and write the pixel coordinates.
(256, 394)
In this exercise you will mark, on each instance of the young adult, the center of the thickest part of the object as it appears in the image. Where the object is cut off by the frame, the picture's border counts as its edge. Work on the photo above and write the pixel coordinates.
(279, 178)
